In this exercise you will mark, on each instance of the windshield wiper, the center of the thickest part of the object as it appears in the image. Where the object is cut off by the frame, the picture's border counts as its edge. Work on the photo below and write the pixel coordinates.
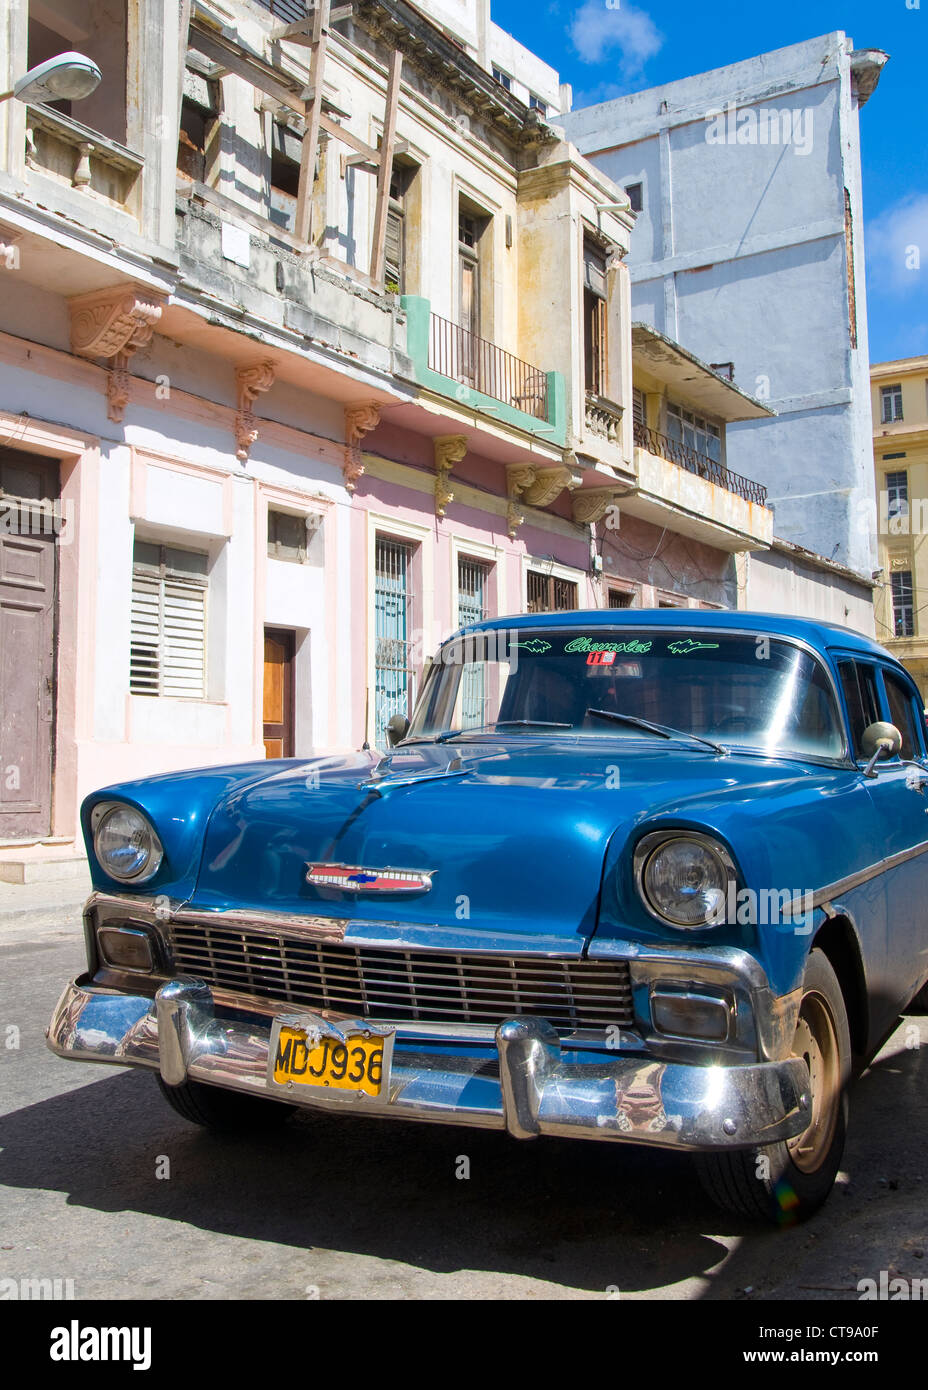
(663, 730)
(500, 724)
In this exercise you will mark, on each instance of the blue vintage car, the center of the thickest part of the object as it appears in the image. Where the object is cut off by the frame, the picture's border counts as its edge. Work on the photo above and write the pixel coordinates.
(652, 877)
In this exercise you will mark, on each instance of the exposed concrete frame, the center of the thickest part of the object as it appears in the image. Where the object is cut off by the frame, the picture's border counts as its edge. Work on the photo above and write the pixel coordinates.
(312, 32)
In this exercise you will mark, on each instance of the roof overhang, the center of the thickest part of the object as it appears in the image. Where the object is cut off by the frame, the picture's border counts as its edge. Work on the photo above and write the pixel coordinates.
(866, 66)
(696, 382)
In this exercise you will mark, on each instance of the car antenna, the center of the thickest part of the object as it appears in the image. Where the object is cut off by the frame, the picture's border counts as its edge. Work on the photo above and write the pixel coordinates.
(365, 746)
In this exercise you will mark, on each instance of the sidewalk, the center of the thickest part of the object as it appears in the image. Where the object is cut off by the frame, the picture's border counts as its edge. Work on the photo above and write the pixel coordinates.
(25, 905)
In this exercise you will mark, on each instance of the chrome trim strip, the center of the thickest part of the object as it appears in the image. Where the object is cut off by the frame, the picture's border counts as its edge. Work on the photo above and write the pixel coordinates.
(387, 936)
(844, 885)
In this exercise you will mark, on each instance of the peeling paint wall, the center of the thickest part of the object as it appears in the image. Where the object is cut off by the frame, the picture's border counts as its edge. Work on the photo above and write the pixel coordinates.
(740, 254)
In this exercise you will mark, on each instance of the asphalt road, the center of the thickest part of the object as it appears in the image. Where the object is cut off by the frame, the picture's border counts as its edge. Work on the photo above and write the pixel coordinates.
(356, 1208)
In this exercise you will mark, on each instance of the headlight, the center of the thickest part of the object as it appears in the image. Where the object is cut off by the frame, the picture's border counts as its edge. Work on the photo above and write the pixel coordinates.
(684, 878)
(125, 843)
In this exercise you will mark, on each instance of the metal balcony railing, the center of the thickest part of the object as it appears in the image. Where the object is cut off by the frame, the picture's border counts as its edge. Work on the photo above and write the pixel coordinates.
(457, 353)
(694, 462)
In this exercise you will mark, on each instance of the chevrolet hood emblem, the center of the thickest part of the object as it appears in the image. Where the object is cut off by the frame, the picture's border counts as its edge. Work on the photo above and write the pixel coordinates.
(355, 878)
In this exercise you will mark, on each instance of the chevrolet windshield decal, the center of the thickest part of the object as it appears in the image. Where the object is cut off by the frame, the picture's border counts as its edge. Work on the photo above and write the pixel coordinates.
(356, 878)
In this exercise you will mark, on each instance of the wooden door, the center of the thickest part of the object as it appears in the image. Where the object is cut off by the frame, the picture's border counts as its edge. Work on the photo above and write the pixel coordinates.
(278, 692)
(27, 635)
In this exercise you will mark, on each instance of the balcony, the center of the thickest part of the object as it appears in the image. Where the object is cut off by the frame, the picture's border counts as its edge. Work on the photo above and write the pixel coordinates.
(457, 353)
(77, 157)
(603, 418)
(701, 464)
(481, 376)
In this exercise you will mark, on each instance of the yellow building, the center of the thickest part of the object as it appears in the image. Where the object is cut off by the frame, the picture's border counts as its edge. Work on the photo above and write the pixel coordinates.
(900, 450)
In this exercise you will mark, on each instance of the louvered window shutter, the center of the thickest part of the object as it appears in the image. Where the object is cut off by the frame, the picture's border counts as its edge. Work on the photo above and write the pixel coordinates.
(183, 640)
(146, 635)
(168, 640)
(393, 251)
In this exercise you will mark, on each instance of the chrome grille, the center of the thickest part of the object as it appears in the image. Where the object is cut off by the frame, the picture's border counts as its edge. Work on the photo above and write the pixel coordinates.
(405, 986)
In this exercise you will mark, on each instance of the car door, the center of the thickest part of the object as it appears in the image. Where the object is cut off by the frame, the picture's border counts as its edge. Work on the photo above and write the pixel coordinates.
(898, 790)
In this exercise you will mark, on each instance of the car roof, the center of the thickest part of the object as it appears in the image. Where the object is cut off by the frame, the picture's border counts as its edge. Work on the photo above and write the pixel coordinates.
(822, 635)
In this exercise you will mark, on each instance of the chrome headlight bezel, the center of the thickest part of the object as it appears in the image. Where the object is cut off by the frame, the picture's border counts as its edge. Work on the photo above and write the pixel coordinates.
(645, 851)
(154, 850)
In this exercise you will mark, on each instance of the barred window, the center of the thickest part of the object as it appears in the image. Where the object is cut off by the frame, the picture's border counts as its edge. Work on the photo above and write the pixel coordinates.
(168, 629)
(548, 594)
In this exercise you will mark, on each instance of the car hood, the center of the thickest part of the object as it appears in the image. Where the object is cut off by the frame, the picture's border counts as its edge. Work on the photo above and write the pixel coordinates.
(514, 835)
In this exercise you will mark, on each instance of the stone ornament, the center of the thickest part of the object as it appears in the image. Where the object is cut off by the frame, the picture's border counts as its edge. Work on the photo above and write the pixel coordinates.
(591, 506)
(360, 419)
(250, 382)
(536, 487)
(112, 324)
(449, 449)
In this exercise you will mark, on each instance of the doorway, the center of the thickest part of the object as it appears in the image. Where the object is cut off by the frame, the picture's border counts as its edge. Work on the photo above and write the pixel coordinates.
(29, 517)
(279, 647)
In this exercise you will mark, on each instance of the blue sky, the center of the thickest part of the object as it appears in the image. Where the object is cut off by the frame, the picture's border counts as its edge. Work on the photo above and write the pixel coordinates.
(606, 50)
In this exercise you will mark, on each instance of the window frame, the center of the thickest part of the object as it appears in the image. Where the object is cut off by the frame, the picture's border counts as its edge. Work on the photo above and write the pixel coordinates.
(891, 398)
(635, 191)
(915, 710)
(595, 317)
(910, 606)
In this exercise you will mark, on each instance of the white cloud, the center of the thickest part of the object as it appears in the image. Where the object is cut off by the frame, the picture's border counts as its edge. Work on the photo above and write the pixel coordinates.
(896, 244)
(599, 30)
(602, 91)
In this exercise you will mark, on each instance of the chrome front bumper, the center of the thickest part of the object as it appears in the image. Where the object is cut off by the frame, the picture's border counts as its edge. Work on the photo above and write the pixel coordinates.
(537, 1090)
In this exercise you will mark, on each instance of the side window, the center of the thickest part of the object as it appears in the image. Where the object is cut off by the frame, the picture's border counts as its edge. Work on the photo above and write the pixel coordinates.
(858, 682)
(902, 713)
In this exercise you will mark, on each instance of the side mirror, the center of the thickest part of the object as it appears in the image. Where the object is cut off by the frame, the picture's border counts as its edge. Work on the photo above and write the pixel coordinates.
(879, 740)
(397, 728)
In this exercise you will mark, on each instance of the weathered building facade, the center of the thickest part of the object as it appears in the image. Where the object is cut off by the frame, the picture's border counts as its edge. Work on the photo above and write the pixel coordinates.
(748, 249)
(315, 345)
(899, 520)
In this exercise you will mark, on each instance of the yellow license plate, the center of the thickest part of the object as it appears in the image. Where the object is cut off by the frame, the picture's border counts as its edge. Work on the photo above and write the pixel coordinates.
(355, 1064)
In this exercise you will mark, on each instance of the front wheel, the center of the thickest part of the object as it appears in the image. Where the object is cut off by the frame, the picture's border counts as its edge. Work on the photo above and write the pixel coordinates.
(788, 1181)
(228, 1112)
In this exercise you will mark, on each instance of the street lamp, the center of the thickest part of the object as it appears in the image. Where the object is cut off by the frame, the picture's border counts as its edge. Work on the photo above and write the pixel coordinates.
(68, 77)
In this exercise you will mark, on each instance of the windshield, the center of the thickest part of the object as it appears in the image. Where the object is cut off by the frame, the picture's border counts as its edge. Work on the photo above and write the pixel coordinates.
(737, 689)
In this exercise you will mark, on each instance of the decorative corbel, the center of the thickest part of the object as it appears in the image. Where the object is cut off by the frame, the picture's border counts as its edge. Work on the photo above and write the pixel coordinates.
(548, 484)
(250, 382)
(591, 506)
(359, 421)
(113, 324)
(9, 248)
(449, 450)
(519, 478)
